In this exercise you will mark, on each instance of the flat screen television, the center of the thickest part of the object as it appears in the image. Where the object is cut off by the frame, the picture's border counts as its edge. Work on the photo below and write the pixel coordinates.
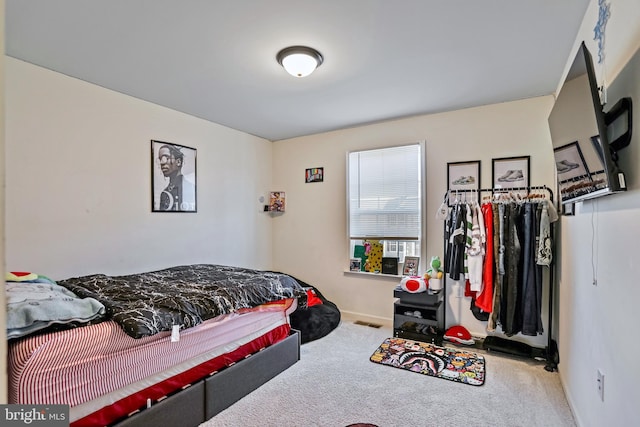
(586, 165)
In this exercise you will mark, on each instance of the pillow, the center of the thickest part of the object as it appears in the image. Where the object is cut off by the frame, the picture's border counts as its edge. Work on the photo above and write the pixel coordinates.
(35, 305)
(20, 276)
(312, 298)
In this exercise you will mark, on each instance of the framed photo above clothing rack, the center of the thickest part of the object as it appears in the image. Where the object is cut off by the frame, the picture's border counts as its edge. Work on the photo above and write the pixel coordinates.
(463, 176)
(511, 172)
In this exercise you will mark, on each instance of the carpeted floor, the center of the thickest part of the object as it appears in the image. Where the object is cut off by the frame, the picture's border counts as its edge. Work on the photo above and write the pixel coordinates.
(335, 385)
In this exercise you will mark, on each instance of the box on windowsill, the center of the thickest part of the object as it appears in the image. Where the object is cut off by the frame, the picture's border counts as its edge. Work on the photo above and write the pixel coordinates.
(390, 265)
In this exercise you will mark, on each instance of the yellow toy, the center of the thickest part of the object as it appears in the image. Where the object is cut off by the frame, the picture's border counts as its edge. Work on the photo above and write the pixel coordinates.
(374, 253)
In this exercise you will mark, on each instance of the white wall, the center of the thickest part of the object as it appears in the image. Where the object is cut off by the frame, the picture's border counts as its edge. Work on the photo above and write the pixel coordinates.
(310, 239)
(598, 324)
(78, 178)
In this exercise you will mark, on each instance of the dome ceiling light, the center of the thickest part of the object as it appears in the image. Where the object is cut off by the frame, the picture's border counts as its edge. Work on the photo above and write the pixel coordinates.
(299, 61)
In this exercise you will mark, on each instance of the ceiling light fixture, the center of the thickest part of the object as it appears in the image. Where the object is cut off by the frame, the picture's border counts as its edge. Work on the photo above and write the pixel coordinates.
(299, 61)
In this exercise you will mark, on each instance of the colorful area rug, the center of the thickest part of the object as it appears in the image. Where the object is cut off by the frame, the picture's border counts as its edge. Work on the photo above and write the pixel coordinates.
(428, 359)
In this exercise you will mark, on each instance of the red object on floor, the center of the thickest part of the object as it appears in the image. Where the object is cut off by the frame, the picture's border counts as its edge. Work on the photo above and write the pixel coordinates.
(459, 334)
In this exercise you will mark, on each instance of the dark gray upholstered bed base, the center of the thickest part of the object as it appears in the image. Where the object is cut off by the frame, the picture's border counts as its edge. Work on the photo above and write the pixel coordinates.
(206, 398)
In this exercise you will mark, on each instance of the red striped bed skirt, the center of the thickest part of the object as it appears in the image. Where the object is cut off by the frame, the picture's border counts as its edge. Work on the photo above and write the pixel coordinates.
(105, 375)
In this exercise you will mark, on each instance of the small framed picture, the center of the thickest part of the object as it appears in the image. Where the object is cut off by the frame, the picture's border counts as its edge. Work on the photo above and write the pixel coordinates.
(463, 176)
(390, 265)
(355, 264)
(410, 267)
(276, 201)
(173, 177)
(511, 172)
(314, 175)
(570, 162)
(568, 209)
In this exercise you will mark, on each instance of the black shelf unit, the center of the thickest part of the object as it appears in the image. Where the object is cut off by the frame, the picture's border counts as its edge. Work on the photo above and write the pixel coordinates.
(419, 316)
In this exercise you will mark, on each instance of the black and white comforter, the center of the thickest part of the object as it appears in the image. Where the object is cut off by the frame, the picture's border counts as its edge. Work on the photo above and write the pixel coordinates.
(147, 303)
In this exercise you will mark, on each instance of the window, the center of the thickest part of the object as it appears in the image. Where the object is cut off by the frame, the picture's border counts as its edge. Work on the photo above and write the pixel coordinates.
(385, 198)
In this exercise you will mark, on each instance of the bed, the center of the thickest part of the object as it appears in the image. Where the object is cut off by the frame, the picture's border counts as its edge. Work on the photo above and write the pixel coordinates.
(171, 347)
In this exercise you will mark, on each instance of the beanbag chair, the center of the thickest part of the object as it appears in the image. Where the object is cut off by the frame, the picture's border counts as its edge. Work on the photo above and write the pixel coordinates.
(317, 320)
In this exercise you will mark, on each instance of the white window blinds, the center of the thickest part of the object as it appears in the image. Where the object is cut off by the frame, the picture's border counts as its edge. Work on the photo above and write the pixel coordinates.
(384, 193)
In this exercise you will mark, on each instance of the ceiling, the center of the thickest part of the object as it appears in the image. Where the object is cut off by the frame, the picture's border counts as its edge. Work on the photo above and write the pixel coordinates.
(383, 59)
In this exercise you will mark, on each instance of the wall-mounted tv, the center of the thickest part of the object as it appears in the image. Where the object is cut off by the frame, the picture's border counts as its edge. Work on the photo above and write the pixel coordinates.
(585, 166)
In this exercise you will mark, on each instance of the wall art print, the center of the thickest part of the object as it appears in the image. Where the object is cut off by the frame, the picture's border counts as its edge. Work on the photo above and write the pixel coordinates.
(511, 172)
(463, 176)
(313, 175)
(173, 178)
(570, 162)
(277, 201)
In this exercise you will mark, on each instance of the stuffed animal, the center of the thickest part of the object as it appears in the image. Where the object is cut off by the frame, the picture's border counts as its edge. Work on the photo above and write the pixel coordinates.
(413, 284)
(434, 274)
(434, 269)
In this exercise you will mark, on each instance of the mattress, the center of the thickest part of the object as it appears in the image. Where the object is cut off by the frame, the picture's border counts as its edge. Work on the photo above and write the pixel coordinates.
(104, 374)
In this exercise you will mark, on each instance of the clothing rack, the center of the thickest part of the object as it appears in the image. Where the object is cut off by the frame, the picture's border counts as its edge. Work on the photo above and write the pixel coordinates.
(550, 352)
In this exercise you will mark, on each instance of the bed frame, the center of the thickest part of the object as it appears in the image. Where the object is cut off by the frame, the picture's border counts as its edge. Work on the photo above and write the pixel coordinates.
(204, 399)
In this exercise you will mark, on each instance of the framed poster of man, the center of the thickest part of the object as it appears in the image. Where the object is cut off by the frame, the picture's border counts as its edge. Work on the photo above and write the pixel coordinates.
(173, 180)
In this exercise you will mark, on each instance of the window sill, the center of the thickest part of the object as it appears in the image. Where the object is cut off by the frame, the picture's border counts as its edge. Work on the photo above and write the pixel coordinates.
(389, 277)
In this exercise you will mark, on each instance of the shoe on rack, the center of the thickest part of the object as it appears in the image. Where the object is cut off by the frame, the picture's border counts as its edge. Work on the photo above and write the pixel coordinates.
(464, 180)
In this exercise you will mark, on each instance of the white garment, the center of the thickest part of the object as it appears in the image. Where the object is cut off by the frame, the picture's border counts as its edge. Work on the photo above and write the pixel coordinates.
(544, 253)
(476, 250)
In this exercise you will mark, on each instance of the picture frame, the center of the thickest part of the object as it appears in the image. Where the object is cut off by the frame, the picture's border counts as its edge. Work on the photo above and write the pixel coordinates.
(463, 176)
(511, 172)
(355, 264)
(410, 266)
(313, 175)
(568, 209)
(173, 177)
(570, 163)
(390, 265)
(277, 201)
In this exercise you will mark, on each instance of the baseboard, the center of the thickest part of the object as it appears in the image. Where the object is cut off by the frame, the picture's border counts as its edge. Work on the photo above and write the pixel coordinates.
(350, 316)
(570, 401)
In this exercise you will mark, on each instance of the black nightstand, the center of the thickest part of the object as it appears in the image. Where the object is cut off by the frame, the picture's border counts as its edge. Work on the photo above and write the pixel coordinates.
(419, 316)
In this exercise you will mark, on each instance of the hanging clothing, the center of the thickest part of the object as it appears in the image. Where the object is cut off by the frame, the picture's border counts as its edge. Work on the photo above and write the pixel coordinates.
(499, 249)
(544, 252)
(475, 250)
(531, 272)
(484, 299)
(510, 318)
(498, 257)
(468, 226)
(456, 242)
